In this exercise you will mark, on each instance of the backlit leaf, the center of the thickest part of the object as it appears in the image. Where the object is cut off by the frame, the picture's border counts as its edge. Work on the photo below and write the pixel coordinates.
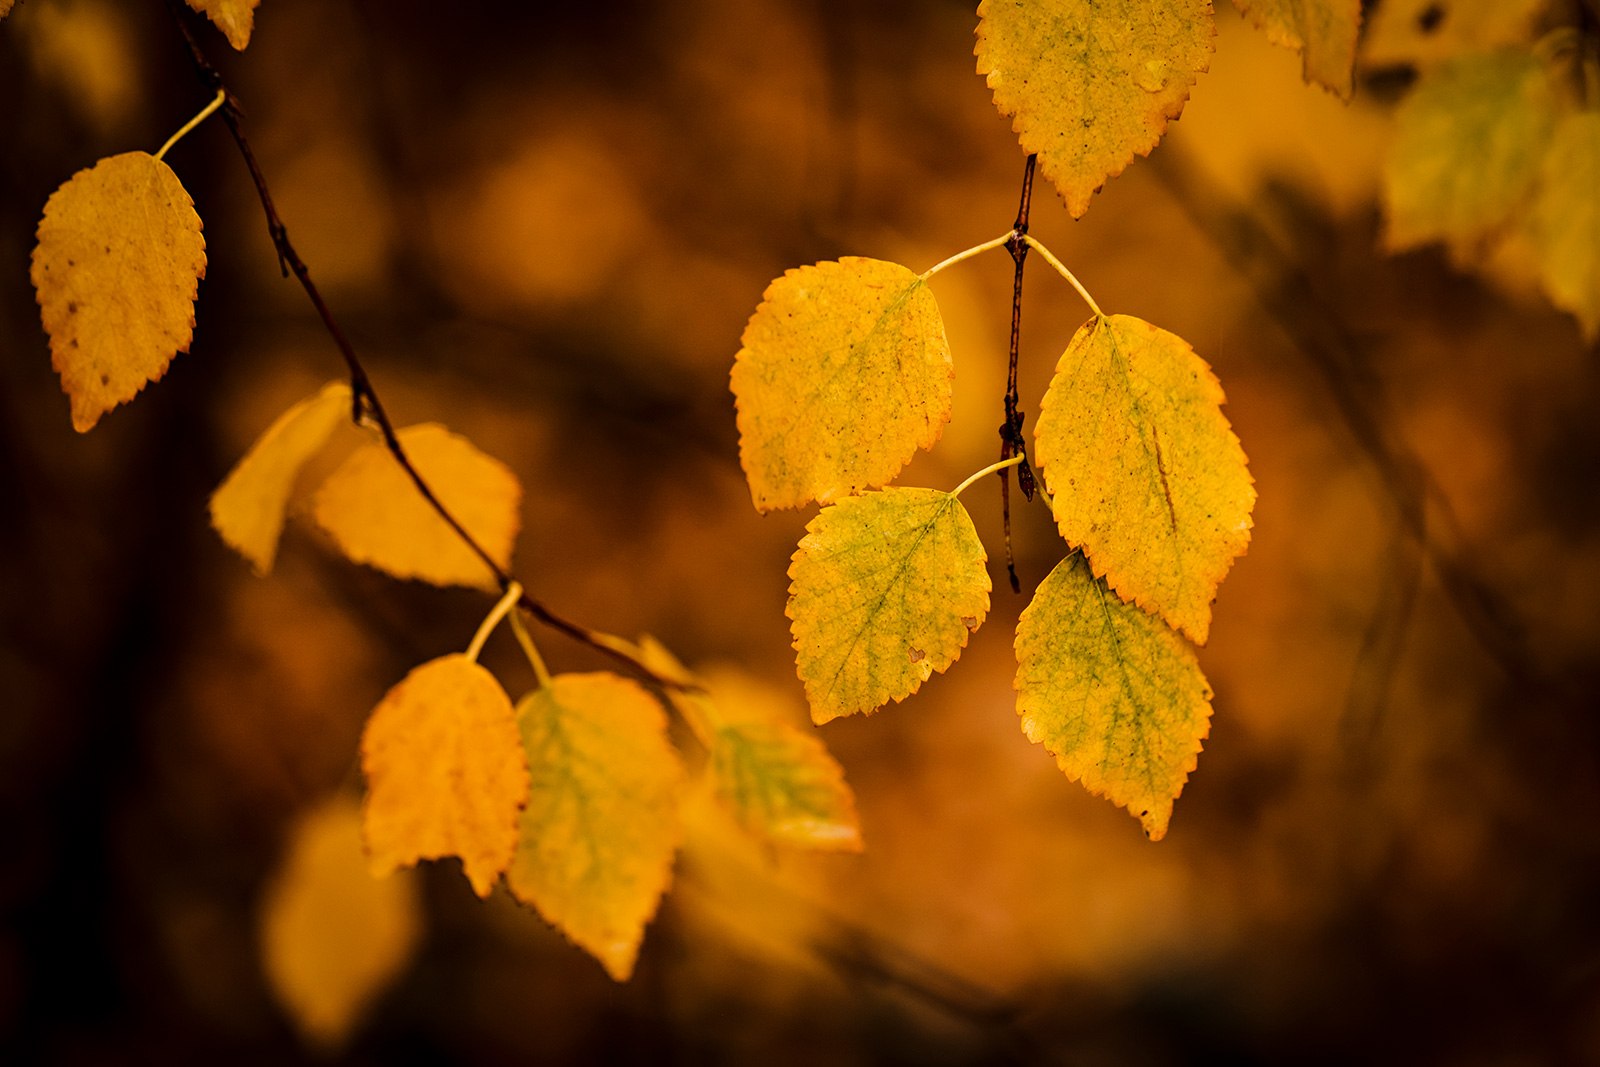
(1147, 476)
(1468, 144)
(117, 267)
(886, 587)
(1322, 31)
(843, 374)
(445, 772)
(377, 516)
(235, 18)
(1424, 33)
(601, 826)
(1113, 694)
(247, 508)
(1091, 83)
(332, 936)
(1566, 219)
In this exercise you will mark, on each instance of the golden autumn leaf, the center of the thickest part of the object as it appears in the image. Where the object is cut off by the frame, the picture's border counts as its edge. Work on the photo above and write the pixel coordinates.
(1565, 221)
(596, 841)
(117, 267)
(247, 508)
(1147, 476)
(1424, 33)
(1113, 694)
(1323, 31)
(235, 18)
(843, 374)
(5, 8)
(1468, 145)
(445, 772)
(1091, 83)
(332, 936)
(377, 516)
(885, 589)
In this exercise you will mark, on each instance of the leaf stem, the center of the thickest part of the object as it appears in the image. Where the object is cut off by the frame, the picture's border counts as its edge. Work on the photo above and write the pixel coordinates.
(990, 469)
(525, 639)
(205, 112)
(1067, 274)
(491, 620)
(968, 254)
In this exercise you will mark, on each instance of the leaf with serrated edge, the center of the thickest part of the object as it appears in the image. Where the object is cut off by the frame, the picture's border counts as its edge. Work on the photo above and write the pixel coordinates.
(235, 18)
(1113, 694)
(1148, 477)
(1323, 31)
(842, 374)
(445, 772)
(1565, 221)
(375, 513)
(117, 267)
(247, 508)
(1091, 83)
(601, 826)
(885, 589)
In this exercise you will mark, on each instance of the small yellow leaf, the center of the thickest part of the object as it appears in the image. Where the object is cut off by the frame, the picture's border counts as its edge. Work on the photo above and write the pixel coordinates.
(1468, 144)
(332, 936)
(844, 373)
(1115, 696)
(5, 8)
(601, 826)
(377, 516)
(117, 267)
(445, 772)
(1424, 33)
(1148, 477)
(1091, 83)
(1566, 219)
(1323, 31)
(235, 18)
(886, 587)
(247, 508)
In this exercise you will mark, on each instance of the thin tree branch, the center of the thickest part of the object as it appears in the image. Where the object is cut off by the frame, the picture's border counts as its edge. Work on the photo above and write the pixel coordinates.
(1011, 439)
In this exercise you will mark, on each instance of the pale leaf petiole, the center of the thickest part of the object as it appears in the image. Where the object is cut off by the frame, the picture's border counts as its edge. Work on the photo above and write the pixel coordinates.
(968, 254)
(525, 639)
(491, 620)
(1065, 273)
(222, 94)
(990, 469)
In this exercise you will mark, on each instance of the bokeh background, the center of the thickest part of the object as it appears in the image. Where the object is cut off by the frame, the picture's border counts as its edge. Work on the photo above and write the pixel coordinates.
(545, 226)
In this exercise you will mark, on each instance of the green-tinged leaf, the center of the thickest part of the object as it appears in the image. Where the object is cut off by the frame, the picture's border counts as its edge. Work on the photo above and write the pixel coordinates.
(843, 374)
(601, 825)
(1323, 31)
(886, 587)
(1091, 83)
(1113, 694)
(1468, 144)
(1425, 33)
(1566, 219)
(1147, 476)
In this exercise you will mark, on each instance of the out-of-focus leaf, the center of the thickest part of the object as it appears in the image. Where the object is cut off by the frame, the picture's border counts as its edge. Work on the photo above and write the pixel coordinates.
(1425, 33)
(1323, 31)
(5, 8)
(1565, 220)
(235, 18)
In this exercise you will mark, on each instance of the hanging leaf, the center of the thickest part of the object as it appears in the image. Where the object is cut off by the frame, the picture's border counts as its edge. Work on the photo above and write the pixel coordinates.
(377, 516)
(1323, 31)
(1091, 83)
(886, 587)
(445, 772)
(844, 373)
(601, 826)
(1424, 33)
(1148, 478)
(117, 267)
(235, 18)
(1566, 219)
(247, 508)
(1113, 694)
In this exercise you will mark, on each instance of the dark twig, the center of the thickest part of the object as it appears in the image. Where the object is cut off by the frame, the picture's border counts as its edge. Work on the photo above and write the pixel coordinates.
(1011, 439)
(365, 404)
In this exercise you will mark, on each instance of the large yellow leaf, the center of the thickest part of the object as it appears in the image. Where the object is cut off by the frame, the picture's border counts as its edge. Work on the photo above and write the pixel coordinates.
(843, 374)
(117, 267)
(1468, 144)
(445, 772)
(1424, 33)
(1322, 31)
(1566, 219)
(377, 516)
(247, 508)
(1091, 83)
(1147, 476)
(1115, 696)
(886, 587)
(601, 825)
(332, 936)
(235, 18)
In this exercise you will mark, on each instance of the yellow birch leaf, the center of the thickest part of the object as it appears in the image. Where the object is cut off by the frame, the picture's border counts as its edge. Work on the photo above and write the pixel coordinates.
(601, 826)
(5, 8)
(332, 936)
(1091, 83)
(377, 516)
(843, 373)
(235, 18)
(1566, 219)
(1468, 144)
(445, 772)
(1148, 477)
(1323, 31)
(1424, 33)
(886, 587)
(1113, 694)
(247, 508)
(117, 267)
